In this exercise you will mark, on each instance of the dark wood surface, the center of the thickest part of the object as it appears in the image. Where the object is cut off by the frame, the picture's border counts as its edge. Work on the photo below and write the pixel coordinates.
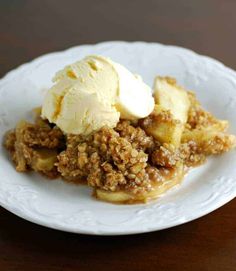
(31, 28)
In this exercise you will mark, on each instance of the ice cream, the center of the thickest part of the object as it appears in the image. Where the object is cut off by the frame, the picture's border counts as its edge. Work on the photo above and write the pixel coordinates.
(95, 92)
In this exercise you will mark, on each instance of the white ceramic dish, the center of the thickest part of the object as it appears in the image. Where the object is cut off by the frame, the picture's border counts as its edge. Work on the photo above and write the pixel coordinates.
(68, 207)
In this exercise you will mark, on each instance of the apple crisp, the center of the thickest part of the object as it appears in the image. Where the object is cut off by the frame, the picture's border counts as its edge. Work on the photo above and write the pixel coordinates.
(135, 161)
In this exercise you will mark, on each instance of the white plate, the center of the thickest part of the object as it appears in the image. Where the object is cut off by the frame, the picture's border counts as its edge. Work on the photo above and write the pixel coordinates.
(68, 207)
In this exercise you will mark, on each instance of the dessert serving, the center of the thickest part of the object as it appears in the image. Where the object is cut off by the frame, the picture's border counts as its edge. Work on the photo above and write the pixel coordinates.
(102, 126)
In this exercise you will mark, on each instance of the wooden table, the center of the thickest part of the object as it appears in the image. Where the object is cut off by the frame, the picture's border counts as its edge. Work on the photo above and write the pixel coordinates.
(29, 28)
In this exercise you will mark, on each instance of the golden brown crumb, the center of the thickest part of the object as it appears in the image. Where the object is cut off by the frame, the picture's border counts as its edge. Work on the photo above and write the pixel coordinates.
(107, 160)
(218, 144)
(29, 144)
(190, 155)
(153, 118)
(135, 135)
(165, 156)
(36, 136)
(199, 118)
(9, 141)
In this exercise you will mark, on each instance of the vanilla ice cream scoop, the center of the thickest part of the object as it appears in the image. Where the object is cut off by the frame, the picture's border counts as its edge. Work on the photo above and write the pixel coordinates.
(95, 92)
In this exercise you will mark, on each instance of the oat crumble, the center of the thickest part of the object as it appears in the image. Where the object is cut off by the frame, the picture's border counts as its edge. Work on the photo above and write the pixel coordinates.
(125, 158)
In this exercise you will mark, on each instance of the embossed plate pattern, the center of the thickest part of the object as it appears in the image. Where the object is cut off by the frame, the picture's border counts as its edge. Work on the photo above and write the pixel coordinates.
(68, 207)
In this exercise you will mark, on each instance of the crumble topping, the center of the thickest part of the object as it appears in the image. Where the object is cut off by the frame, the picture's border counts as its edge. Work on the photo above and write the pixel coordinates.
(125, 158)
(108, 160)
